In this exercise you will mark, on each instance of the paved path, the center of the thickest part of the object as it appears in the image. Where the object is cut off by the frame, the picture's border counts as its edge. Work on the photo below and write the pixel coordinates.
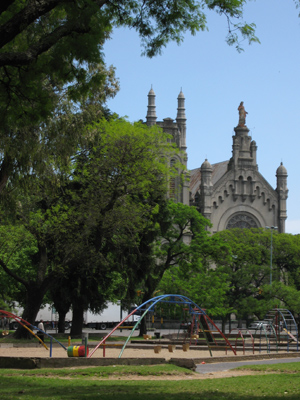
(224, 366)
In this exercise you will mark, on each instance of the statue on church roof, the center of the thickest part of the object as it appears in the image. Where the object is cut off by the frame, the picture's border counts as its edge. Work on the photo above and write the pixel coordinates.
(242, 114)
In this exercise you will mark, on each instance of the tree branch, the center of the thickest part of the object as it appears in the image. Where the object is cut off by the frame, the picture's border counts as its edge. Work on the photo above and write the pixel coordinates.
(5, 4)
(28, 15)
(12, 274)
(25, 58)
(25, 17)
(5, 170)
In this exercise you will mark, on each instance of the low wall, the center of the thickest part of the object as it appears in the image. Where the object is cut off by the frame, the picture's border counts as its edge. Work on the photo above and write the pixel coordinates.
(190, 363)
(32, 363)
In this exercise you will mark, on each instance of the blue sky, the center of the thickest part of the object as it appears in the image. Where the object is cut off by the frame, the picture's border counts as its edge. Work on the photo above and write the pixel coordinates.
(215, 78)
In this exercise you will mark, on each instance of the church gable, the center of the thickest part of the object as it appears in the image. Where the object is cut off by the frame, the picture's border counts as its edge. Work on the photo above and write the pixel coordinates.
(233, 193)
(243, 200)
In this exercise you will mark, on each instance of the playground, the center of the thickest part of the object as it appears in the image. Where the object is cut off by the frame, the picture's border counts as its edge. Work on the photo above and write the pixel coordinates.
(200, 339)
(137, 352)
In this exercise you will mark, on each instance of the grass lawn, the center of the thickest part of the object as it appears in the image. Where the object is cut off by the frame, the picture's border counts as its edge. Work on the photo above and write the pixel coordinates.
(276, 382)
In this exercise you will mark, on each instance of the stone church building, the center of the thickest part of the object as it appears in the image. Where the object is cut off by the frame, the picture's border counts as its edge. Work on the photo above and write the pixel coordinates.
(232, 193)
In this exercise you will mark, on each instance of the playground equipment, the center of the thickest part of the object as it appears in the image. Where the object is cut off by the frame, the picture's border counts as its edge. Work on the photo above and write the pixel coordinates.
(244, 335)
(29, 327)
(149, 306)
(201, 326)
(77, 351)
(277, 328)
(284, 327)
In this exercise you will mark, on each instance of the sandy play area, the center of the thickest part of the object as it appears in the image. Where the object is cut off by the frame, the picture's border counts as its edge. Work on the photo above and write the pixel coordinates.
(59, 352)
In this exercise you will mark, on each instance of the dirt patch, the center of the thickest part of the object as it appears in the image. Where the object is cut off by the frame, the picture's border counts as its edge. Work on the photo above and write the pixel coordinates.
(195, 376)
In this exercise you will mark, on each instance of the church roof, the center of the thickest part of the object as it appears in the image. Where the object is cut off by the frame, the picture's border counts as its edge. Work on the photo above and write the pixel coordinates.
(218, 170)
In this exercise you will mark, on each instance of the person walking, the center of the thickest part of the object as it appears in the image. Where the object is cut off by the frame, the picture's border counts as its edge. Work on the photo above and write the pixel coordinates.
(40, 332)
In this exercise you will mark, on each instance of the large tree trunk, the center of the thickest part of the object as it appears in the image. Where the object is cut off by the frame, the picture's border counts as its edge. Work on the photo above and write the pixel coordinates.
(150, 286)
(143, 327)
(77, 322)
(60, 295)
(61, 322)
(34, 299)
(224, 320)
(62, 310)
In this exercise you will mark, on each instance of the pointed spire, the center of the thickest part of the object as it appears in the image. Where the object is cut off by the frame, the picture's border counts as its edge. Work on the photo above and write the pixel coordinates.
(181, 107)
(151, 112)
(181, 120)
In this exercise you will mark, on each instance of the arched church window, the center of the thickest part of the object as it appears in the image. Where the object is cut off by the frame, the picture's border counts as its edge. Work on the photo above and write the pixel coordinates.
(241, 220)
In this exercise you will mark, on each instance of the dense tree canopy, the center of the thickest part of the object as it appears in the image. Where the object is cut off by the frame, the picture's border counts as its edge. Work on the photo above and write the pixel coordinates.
(51, 52)
(181, 247)
(82, 220)
(67, 21)
(248, 271)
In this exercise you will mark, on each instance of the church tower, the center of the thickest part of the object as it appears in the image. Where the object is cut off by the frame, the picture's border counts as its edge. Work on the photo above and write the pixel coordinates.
(151, 112)
(179, 187)
(282, 192)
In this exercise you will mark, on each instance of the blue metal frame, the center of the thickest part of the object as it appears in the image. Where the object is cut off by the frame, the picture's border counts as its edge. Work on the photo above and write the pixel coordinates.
(148, 306)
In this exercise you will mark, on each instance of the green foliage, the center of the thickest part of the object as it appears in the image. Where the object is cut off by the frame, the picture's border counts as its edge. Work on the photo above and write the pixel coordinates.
(191, 273)
(201, 285)
(180, 257)
(17, 247)
(248, 270)
(85, 218)
(51, 54)
(285, 295)
(286, 257)
(233, 11)
(30, 140)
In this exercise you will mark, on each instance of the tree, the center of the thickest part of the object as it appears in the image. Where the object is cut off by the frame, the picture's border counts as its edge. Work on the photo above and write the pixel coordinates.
(51, 51)
(285, 286)
(67, 21)
(202, 285)
(12, 253)
(31, 140)
(178, 239)
(114, 189)
(248, 271)
(286, 258)
(80, 220)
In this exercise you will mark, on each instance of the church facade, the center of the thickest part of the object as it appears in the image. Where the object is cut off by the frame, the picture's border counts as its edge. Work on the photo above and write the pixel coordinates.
(232, 193)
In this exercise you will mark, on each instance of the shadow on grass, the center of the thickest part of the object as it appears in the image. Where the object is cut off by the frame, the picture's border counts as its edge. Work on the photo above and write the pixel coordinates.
(270, 387)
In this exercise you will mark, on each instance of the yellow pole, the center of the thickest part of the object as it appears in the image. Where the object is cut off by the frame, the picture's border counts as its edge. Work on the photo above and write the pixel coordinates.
(35, 336)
